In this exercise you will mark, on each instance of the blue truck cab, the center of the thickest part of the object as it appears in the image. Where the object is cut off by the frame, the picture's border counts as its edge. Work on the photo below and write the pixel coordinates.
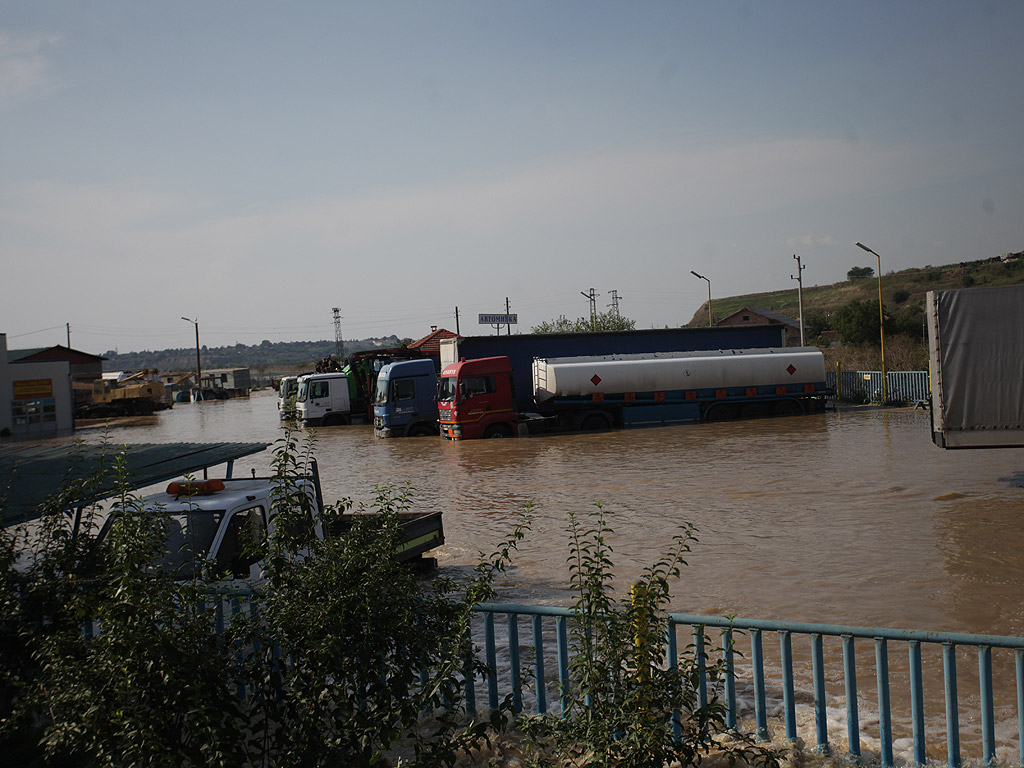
(406, 401)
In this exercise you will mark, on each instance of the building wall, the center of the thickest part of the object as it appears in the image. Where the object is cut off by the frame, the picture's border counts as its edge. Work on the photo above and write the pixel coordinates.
(749, 317)
(36, 399)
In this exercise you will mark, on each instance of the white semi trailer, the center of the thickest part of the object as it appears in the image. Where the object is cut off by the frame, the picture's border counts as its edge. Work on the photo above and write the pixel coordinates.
(976, 346)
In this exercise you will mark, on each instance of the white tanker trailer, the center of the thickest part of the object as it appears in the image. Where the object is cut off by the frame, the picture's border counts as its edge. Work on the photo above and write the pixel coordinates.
(477, 398)
(624, 390)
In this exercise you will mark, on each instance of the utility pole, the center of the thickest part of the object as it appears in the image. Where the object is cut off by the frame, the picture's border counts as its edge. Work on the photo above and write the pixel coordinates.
(592, 298)
(708, 281)
(69, 335)
(339, 345)
(800, 293)
(615, 304)
(457, 322)
(508, 311)
(199, 364)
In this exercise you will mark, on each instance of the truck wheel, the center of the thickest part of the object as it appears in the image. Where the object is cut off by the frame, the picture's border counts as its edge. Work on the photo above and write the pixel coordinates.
(594, 421)
(334, 420)
(421, 430)
(720, 412)
(788, 408)
(498, 430)
(753, 411)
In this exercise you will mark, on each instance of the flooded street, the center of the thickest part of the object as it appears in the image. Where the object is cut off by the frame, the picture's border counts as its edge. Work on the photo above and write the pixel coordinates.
(849, 518)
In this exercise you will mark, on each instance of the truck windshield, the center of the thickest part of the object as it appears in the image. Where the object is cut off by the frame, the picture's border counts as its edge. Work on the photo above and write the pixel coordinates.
(303, 389)
(381, 398)
(447, 390)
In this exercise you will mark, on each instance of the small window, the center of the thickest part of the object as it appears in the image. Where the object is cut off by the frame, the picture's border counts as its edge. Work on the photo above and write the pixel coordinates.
(746, 318)
(478, 385)
(319, 389)
(243, 542)
(404, 389)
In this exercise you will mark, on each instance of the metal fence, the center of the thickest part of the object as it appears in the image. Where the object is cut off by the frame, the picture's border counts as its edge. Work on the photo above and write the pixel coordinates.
(866, 386)
(808, 681)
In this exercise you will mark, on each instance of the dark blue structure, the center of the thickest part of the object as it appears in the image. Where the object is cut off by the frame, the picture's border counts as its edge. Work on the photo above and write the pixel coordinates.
(522, 349)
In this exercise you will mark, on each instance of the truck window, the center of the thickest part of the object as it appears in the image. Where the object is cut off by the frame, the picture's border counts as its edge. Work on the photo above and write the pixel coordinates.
(303, 392)
(319, 389)
(446, 389)
(381, 395)
(243, 542)
(403, 389)
(473, 386)
(189, 538)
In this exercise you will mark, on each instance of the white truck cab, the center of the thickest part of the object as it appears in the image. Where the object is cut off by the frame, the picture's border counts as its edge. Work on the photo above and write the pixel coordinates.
(323, 400)
(223, 522)
(287, 388)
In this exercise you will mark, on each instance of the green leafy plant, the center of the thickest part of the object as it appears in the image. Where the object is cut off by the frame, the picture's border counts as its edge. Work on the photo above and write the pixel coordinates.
(351, 648)
(126, 669)
(340, 656)
(627, 704)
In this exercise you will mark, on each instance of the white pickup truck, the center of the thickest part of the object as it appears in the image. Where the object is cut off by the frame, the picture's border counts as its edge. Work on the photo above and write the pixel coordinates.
(226, 521)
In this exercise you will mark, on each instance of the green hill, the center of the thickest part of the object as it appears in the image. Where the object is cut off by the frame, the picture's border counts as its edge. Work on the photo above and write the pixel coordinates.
(902, 291)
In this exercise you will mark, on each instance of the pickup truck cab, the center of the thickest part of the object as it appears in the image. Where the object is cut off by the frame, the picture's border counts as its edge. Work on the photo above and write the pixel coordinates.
(226, 524)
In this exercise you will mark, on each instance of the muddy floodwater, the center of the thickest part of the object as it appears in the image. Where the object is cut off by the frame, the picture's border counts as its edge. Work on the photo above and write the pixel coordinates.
(850, 517)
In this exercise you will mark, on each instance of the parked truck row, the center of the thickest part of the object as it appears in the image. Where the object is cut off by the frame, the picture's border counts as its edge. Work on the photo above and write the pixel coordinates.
(504, 386)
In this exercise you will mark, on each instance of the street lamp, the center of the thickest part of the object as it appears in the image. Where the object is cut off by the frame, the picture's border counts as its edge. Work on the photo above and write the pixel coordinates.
(199, 367)
(881, 318)
(709, 294)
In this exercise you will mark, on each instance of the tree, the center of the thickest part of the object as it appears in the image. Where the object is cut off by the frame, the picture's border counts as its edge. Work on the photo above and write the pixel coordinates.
(857, 322)
(860, 273)
(815, 323)
(606, 321)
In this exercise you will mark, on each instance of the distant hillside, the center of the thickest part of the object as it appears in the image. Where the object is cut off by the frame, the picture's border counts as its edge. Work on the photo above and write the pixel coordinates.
(266, 356)
(902, 292)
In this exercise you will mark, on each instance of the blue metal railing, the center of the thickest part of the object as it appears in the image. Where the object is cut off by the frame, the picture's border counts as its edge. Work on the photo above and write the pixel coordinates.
(901, 386)
(928, 655)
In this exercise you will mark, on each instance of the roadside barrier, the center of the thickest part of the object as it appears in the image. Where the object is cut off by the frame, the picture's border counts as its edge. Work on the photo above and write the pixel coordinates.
(866, 386)
(810, 683)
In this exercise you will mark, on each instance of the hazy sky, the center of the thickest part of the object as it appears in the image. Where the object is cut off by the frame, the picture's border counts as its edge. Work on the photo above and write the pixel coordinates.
(254, 164)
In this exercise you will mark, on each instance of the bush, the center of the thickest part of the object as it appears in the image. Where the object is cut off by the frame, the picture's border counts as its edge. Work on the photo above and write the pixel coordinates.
(860, 273)
(340, 657)
(627, 705)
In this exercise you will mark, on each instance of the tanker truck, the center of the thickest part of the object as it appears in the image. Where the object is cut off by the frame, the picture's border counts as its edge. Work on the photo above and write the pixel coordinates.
(476, 397)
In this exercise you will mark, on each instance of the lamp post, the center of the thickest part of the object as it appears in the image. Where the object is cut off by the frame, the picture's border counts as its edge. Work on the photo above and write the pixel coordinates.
(199, 367)
(709, 294)
(881, 318)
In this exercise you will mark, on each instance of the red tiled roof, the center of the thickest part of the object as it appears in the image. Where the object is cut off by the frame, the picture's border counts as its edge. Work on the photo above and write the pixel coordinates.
(431, 343)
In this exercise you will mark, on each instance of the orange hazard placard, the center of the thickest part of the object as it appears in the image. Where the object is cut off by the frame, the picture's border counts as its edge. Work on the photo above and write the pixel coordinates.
(33, 389)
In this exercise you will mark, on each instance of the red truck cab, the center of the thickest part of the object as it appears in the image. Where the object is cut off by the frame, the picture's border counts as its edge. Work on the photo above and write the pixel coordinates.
(475, 399)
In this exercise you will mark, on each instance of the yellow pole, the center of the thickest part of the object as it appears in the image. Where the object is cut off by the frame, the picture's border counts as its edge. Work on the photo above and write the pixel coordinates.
(881, 318)
(881, 330)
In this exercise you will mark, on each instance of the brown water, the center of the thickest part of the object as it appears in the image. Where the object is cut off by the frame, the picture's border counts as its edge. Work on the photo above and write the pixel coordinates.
(849, 518)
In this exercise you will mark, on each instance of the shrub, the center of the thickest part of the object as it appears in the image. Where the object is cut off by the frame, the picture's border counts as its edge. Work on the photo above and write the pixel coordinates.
(627, 705)
(341, 655)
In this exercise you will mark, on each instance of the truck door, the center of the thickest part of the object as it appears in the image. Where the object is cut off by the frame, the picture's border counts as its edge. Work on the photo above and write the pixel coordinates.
(483, 405)
(319, 397)
(243, 543)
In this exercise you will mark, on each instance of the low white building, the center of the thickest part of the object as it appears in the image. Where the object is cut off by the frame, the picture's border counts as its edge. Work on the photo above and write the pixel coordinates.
(36, 398)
